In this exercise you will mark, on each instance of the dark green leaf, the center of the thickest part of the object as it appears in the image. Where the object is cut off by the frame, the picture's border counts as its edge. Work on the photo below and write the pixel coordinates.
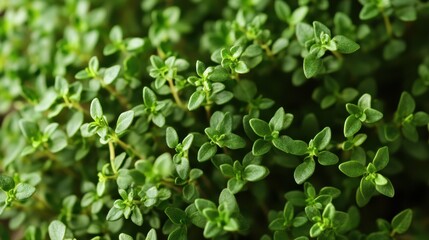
(386, 189)
(196, 99)
(260, 127)
(206, 151)
(261, 147)
(322, 139)
(327, 158)
(6, 183)
(352, 168)
(176, 215)
(312, 65)
(381, 158)
(304, 170)
(351, 126)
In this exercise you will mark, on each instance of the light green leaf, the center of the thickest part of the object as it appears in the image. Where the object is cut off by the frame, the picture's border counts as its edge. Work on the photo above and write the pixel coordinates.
(24, 191)
(253, 173)
(196, 99)
(402, 221)
(111, 73)
(96, 111)
(57, 230)
(151, 235)
(345, 45)
(124, 121)
(282, 10)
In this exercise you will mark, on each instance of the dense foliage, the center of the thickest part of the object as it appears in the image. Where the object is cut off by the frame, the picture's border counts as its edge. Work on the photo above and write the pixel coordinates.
(192, 119)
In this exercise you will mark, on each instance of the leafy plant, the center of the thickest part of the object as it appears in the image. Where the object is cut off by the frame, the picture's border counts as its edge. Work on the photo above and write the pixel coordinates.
(262, 119)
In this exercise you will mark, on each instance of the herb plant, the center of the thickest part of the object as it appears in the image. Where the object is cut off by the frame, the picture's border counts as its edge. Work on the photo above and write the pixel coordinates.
(263, 119)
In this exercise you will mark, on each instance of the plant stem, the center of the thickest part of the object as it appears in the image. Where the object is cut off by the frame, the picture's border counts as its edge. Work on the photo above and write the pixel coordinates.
(338, 55)
(126, 147)
(387, 24)
(122, 100)
(112, 157)
(175, 94)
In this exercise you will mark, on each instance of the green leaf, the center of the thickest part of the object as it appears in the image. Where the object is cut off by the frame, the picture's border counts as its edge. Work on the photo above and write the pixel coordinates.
(322, 139)
(111, 73)
(57, 230)
(202, 204)
(136, 216)
(372, 115)
(288, 145)
(260, 127)
(228, 201)
(245, 90)
(73, 125)
(261, 147)
(410, 132)
(277, 121)
(298, 15)
(304, 33)
(134, 44)
(320, 28)
(176, 215)
(402, 221)
(406, 105)
(24, 191)
(171, 137)
(93, 64)
(282, 10)
(61, 86)
(206, 151)
(234, 141)
(312, 65)
(149, 97)
(304, 170)
(315, 230)
(386, 189)
(163, 165)
(352, 168)
(124, 121)
(369, 11)
(327, 158)
(381, 158)
(196, 99)
(212, 229)
(115, 34)
(345, 45)
(96, 111)
(352, 125)
(47, 101)
(151, 235)
(124, 236)
(367, 188)
(253, 173)
(6, 183)
(241, 68)
(279, 45)
(393, 49)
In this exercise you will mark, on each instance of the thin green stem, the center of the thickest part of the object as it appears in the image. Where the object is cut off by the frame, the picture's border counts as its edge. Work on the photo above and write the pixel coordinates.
(128, 147)
(338, 55)
(387, 23)
(175, 94)
(112, 157)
